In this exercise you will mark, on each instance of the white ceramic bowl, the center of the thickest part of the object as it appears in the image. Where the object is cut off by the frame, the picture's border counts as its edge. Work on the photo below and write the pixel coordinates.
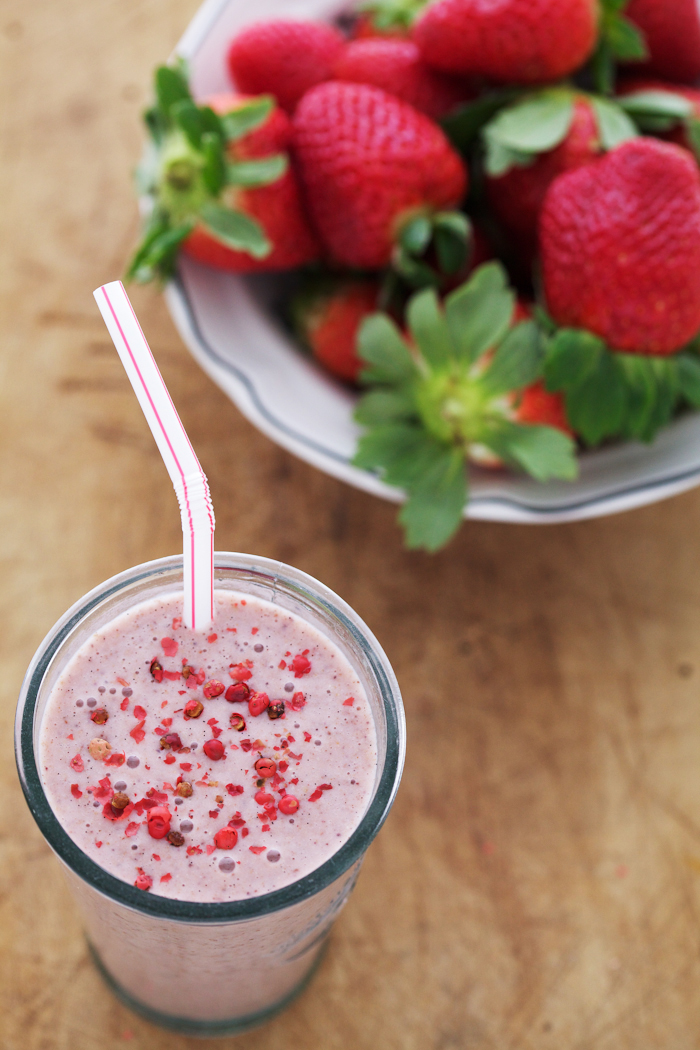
(227, 323)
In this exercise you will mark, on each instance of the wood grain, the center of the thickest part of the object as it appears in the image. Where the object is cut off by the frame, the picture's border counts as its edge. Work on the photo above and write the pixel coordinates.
(538, 884)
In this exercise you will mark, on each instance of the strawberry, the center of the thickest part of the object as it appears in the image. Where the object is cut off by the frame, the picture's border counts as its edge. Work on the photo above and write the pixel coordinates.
(515, 41)
(672, 33)
(327, 319)
(220, 184)
(517, 196)
(369, 163)
(396, 66)
(283, 58)
(620, 241)
(276, 207)
(536, 404)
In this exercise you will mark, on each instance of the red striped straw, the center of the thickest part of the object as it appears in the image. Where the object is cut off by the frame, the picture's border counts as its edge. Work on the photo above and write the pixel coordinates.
(188, 478)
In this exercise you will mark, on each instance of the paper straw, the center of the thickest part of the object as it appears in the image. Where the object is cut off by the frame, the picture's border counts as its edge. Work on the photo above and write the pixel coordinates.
(188, 478)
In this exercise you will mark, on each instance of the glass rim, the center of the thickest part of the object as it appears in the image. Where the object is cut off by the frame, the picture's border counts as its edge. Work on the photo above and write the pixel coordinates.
(225, 911)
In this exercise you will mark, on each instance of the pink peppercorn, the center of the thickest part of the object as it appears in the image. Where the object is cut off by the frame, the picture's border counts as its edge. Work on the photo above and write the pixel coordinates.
(158, 822)
(258, 703)
(213, 688)
(226, 838)
(288, 805)
(214, 750)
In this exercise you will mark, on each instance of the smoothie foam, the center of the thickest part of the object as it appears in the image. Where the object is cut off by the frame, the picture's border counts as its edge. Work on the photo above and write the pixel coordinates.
(151, 736)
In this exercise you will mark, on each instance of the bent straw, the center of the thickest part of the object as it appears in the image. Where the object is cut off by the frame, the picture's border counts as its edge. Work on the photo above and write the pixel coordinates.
(188, 478)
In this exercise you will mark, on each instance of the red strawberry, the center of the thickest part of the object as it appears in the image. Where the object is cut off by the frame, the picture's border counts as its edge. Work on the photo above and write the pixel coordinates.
(276, 207)
(369, 163)
(620, 241)
(672, 32)
(283, 58)
(537, 405)
(396, 67)
(328, 319)
(517, 196)
(522, 41)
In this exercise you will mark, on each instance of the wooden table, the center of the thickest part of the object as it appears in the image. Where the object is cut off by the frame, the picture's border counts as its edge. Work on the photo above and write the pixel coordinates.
(538, 883)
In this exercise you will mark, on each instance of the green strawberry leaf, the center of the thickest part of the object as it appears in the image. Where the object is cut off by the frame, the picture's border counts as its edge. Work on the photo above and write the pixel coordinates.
(463, 125)
(625, 40)
(392, 14)
(260, 172)
(596, 406)
(189, 119)
(656, 103)
(434, 509)
(385, 406)
(692, 130)
(247, 117)
(171, 87)
(603, 67)
(536, 124)
(157, 123)
(688, 377)
(415, 272)
(235, 230)
(499, 159)
(214, 167)
(156, 256)
(652, 394)
(517, 362)
(381, 345)
(543, 452)
(401, 451)
(572, 355)
(614, 125)
(452, 234)
(479, 313)
(429, 328)
(416, 234)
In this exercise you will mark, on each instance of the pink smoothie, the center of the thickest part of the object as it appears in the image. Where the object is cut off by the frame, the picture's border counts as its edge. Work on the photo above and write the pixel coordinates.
(209, 766)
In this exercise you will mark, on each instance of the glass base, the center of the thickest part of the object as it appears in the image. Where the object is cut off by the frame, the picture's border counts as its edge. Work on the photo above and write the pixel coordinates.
(203, 1029)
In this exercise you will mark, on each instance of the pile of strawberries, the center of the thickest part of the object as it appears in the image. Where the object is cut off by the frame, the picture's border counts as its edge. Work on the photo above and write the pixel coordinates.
(495, 209)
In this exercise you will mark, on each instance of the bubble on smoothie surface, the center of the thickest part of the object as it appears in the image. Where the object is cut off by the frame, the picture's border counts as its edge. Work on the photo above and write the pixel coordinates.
(289, 687)
(273, 856)
(258, 648)
(102, 689)
(127, 692)
(120, 785)
(133, 761)
(185, 826)
(227, 864)
(79, 703)
(91, 701)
